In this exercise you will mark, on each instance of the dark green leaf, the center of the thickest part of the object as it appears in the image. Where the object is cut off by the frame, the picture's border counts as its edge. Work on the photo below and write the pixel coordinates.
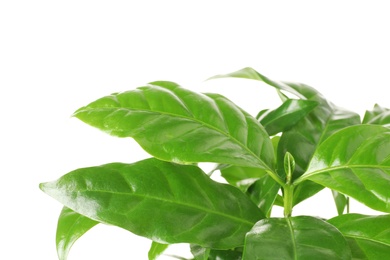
(303, 238)
(368, 236)
(286, 116)
(356, 162)
(260, 187)
(178, 125)
(263, 193)
(165, 202)
(378, 116)
(71, 226)
(341, 201)
(303, 138)
(279, 201)
(156, 249)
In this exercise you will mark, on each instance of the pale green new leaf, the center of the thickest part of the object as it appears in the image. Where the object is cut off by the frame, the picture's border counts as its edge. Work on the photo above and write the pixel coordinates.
(368, 236)
(70, 227)
(295, 238)
(356, 162)
(178, 125)
(165, 202)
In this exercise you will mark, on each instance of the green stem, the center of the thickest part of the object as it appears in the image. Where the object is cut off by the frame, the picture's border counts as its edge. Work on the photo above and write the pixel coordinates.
(288, 199)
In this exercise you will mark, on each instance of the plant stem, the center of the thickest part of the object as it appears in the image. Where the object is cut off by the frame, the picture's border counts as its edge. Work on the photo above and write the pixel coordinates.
(288, 199)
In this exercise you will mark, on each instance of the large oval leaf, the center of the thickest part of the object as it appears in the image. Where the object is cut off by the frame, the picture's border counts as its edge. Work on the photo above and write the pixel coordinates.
(368, 236)
(178, 125)
(302, 237)
(166, 202)
(355, 161)
(71, 226)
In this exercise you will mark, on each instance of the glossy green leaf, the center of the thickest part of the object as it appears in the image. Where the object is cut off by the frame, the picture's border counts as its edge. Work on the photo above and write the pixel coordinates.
(368, 236)
(356, 162)
(178, 125)
(242, 177)
(201, 253)
(71, 226)
(286, 116)
(249, 73)
(303, 238)
(165, 202)
(260, 187)
(303, 138)
(263, 193)
(341, 201)
(378, 116)
(156, 249)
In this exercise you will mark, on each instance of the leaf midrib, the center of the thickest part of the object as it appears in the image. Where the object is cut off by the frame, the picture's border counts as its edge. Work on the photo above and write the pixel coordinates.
(207, 210)
(335, 168)
(366, 239)
(288, 220)
(262, 163)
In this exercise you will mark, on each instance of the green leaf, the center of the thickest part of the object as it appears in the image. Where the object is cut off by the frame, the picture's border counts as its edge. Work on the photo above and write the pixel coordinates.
(201, 253)
(378, 116)
(303, 138)
(295, 238)
(263, 193)
(356, 162)
(165, 202)
(178, 125)
(242, 177)
(259, 186)
(286, 116)
(341, 201)
(368, 236)
(71, 226)
(156, 249)
(249, 73)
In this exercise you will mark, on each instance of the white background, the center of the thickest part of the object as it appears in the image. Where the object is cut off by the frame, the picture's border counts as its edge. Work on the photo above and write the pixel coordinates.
(56, 56)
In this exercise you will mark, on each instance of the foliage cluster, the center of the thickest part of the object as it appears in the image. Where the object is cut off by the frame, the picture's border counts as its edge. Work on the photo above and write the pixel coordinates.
(279, 158)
